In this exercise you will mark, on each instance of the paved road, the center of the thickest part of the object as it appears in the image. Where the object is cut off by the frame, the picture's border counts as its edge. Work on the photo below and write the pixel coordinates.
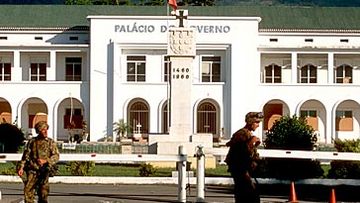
(121, 193)
(85, 193)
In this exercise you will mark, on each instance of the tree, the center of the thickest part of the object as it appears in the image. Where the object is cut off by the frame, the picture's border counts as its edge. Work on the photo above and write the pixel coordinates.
(98, 2)
(121, 128)
(291, 133)
(11, 138)
(78, 2)
(155, 3)
(197, 3)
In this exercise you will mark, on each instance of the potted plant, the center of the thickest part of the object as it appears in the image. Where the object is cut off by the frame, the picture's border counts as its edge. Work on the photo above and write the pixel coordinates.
(121, 128)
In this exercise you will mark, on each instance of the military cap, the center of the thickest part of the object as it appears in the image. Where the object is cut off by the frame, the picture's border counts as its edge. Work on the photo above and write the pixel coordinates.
(253, 117)
(41, 125)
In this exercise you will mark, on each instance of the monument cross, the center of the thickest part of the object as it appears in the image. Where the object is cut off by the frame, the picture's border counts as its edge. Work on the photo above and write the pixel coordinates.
(182, 16)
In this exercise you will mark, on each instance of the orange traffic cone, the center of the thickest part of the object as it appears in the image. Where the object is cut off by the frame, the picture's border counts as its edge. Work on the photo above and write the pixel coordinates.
(292, 196)
(332, 196)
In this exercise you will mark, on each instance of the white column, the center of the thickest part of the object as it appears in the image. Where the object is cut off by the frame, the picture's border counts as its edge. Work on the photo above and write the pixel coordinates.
(52, 70)
(54, 124)
(200, 174)
(51, 121)
(329, 130)
(330, 68)
(294, 68)
(16, 73)
(181, 166)
(16, 76)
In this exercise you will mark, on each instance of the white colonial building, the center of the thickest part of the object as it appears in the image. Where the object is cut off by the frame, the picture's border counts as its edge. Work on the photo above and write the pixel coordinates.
(100, 64)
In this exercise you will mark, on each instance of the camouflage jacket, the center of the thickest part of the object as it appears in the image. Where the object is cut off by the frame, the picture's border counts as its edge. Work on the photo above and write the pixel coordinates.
(242, 152)
(39, 148)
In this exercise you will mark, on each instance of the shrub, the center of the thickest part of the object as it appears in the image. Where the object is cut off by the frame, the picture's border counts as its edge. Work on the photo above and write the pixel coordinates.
(10, 170)
(146, 170)
(11, 138)
(81, 168)
(291, 133)
(345, 169)
(347, 145)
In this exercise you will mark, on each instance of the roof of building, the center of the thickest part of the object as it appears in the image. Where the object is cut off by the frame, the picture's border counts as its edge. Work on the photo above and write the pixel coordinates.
(273, 17)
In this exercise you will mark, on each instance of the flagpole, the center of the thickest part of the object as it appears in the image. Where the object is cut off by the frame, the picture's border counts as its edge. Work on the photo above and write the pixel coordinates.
(167, 9)
(173, 5)
(168, 70)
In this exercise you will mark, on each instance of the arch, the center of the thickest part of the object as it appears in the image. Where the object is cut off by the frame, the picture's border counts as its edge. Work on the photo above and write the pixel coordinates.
(308, 73)
(5, 111)
(138, 115)
(346, 119)
(69, 118)
(208, 118)
(308, 64)
(273, 110)
(272, 73)
(164, 117)
(343, 73)
(315, 113)
(33, 110)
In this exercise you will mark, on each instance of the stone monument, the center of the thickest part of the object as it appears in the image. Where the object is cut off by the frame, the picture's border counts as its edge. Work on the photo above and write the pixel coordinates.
(181, 51)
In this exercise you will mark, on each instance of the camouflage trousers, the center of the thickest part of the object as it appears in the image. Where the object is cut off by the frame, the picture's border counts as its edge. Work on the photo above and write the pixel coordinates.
(39, 183)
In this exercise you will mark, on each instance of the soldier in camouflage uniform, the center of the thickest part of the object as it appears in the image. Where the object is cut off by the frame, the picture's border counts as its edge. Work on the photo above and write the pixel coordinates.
(242, 157)
(40, 154)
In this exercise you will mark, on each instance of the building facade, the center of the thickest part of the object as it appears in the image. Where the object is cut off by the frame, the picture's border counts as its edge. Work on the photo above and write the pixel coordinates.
(109, 65)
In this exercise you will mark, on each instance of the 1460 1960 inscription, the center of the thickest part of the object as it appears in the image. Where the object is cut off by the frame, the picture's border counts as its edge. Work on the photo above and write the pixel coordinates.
(181, 73)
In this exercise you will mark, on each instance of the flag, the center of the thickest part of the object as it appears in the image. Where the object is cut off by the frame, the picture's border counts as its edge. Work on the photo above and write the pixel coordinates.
(173, 4)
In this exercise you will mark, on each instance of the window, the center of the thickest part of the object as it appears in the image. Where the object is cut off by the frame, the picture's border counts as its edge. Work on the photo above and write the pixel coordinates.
(73, 116)
(311, 118)
(165, 118)
(272, 113)
(136, 68)
(308, 113)
(139, 117)
(206, 118)
(343, 74)
(308, 74)
(73, 69)
(344, 121)
(38, 72)
(273, 74)
(73, 38)
(5, 112)
(167, 69)
(210, 69)
(35, 118)
(5, 71)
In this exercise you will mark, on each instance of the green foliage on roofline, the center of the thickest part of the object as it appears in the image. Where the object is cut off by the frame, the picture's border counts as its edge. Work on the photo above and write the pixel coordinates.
(273, 17)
